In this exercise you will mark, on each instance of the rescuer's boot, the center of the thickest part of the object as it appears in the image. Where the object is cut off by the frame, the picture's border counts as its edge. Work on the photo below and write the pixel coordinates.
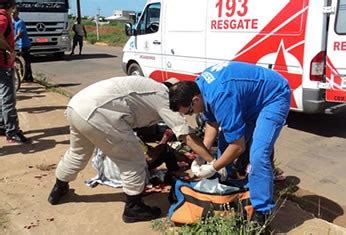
(135, 210)
(59, 190)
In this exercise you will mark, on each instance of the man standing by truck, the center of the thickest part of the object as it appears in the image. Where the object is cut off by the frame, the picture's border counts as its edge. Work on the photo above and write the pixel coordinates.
(241, 103)
(79, 34)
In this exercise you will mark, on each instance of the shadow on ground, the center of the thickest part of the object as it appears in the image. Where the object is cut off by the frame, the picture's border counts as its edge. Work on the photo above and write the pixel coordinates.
(39, 141)
(319, 124)
(294, 209)
(39, 59)
(154, 199)
(42, 109)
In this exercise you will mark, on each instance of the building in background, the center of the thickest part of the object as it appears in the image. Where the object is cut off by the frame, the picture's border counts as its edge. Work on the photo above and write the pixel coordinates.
(122, 15)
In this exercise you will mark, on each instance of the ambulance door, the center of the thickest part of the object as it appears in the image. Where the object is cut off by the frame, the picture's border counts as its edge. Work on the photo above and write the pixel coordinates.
(336, 52)
(184, 38)
(148, 41)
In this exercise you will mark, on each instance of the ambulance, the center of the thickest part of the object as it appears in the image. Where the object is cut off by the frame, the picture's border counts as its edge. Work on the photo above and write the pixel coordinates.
(304, 40)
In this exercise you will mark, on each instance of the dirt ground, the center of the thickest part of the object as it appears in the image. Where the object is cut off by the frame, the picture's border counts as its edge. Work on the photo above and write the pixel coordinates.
(27, 175)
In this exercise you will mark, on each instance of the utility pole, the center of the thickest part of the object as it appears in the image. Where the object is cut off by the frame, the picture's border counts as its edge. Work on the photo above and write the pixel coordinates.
(79, 16)
(97, 23)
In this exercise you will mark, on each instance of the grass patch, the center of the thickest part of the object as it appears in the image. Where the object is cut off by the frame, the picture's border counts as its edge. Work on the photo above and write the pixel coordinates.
(113, 33)
(42, 79)
(230, 225)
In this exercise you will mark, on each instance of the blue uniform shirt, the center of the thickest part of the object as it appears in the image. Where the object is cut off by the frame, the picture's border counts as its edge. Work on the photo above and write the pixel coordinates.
(24, 41)
(234, 93)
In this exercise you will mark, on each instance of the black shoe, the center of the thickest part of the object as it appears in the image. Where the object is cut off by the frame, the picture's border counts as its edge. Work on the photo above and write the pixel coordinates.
(28, 79)
(18, 138)
(2, 131)
(135, 210)
(59, 190)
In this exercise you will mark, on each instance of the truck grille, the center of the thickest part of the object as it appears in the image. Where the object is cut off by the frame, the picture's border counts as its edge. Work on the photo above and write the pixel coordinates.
(44, 28)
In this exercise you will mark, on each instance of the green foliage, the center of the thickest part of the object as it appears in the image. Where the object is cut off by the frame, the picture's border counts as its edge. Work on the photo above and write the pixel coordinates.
(229, 225)
(88, 22)
(112, 33)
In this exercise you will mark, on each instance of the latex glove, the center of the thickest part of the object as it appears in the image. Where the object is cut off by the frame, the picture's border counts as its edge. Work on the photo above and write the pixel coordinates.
(206, 171)
(223, 173)
(196, 164)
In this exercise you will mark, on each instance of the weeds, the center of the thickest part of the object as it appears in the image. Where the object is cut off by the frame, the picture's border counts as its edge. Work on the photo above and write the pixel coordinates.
(230, 225)
(42, 79)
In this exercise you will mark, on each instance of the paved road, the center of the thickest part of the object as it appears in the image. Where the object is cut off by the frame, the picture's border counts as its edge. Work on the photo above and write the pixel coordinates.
(73, 73)
(311, 149)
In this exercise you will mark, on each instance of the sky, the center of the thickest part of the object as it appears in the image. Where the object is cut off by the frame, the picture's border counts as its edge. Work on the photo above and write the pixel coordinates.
(89, 7)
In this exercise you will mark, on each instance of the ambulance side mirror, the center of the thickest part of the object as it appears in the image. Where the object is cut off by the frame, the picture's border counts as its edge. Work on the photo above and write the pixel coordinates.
(128, 29)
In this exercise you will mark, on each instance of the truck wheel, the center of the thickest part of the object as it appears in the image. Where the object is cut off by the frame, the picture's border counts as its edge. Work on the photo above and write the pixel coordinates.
(20, 67)
(134, 69)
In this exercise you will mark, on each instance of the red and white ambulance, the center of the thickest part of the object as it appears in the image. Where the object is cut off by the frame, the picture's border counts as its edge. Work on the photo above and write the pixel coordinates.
(304, 40)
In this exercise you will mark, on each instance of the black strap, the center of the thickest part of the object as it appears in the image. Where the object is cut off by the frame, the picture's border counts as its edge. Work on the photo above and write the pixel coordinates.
(209, 207)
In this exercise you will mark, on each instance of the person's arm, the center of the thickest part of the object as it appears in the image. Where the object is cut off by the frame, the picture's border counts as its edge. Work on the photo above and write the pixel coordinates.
(74, 29)
(197, 146)
(19, 34)
(229, 155)
(85, 32)
(210, 133)
(233, 151)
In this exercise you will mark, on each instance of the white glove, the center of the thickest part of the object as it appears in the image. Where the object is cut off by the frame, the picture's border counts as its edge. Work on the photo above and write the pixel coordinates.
(206, 171)
(223, 173)
(196, 164)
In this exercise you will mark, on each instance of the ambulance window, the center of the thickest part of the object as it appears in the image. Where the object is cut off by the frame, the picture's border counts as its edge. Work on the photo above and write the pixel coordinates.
(150, 20)
(340, 27)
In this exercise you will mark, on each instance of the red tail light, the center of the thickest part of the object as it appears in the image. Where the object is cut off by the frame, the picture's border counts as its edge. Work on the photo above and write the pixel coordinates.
(317, 67)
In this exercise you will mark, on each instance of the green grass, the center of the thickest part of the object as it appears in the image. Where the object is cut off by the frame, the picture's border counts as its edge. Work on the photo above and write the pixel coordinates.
(114, 39)
(42, 79)
(112, 33)
(230, 225)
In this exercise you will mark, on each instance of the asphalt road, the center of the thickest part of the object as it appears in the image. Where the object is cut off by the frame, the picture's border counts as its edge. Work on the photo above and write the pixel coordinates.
(73, 73)
(311, 149)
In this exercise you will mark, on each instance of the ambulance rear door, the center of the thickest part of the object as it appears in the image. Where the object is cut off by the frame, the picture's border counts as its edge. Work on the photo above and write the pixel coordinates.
(336, 52)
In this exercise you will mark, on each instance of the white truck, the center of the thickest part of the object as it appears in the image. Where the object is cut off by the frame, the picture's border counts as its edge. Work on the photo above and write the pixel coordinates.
(304, 40)
(47, 25)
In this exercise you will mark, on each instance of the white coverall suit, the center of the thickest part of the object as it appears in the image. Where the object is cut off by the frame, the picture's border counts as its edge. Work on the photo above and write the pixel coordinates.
(104, 115)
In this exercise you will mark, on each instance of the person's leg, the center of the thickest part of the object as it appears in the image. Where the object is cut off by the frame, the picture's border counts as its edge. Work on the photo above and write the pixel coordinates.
(27, 59)
(75, 158)
(80, 41)
(8, 110)
(74, 43)
(268, 127)
(124, 149)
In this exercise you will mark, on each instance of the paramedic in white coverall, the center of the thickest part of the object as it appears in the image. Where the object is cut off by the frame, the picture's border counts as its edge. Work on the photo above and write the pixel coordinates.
(104, 115)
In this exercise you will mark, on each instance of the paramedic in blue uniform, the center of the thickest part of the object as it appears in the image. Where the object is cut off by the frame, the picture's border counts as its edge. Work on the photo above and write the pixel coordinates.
(241, 102)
